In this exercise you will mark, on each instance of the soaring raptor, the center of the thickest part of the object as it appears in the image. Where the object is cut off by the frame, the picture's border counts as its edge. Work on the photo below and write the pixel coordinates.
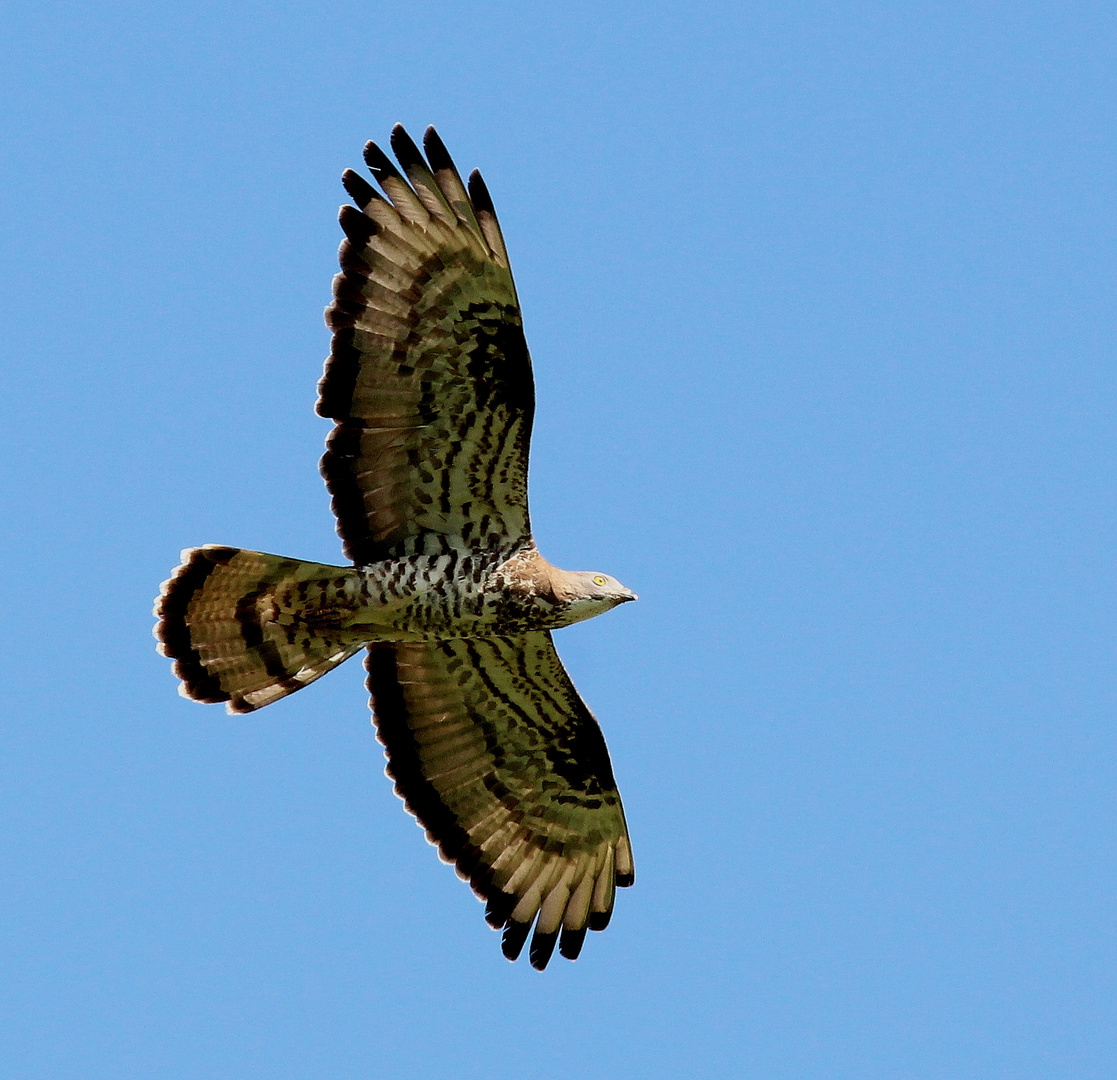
(430, 389)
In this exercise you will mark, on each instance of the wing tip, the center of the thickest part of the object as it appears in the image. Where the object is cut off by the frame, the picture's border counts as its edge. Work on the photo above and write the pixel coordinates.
(358, 188)
(437, 154)
(499, 906)
(403, 146)
(513, 939)
(571, 941)
(599, 920)
(542, 948)
(479, 194)
(379, 163)
(356, 225)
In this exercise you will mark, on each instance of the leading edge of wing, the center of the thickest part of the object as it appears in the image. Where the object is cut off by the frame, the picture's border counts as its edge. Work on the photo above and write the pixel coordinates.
(494, 752)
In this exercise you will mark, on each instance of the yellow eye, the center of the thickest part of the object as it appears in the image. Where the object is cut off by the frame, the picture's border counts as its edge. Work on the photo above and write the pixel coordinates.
(599, 580)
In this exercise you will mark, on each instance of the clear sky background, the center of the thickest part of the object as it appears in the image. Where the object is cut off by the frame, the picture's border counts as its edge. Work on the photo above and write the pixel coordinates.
(820, 297)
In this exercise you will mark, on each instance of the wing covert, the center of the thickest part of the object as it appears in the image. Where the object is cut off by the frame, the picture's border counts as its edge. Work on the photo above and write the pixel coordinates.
(429, 377)
(495, 753)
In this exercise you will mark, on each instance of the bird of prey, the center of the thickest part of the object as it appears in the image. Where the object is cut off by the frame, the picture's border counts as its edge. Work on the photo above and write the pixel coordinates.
(430, 388)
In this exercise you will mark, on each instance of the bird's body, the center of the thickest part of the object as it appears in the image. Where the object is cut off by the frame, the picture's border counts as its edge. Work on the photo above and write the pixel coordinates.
(430, 386)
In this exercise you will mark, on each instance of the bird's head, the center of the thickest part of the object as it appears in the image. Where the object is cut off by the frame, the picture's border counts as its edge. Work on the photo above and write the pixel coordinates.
(586, 593)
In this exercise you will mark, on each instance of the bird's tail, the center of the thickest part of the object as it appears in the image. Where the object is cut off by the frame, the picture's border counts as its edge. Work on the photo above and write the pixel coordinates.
(248, 628)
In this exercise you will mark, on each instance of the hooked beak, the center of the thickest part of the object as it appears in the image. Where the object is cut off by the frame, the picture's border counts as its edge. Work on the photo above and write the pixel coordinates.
(627, 595)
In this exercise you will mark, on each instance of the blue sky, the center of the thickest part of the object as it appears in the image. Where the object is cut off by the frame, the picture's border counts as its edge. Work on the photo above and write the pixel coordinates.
(820, 297)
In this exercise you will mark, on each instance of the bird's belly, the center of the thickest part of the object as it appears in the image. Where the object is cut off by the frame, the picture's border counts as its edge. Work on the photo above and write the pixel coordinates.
(433, 622)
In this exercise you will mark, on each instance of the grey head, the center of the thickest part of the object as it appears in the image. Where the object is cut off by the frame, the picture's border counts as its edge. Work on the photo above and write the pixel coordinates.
(587, 593)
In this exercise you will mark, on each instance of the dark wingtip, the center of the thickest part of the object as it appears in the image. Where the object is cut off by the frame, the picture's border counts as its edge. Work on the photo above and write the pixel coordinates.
(379, 162)
(542, 946)
(512, 941)
(357, 226)
(599, 919)
(498, 909)
(437, 154)
(403, 146)
(479, 194)
(625, 880)
(359, 189)
(570, 944)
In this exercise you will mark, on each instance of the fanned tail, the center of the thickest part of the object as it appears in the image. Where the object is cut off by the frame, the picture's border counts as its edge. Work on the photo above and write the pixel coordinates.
(248, 628)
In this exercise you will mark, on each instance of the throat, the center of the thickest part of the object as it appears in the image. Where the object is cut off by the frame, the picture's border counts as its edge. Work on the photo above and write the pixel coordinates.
(529, 593)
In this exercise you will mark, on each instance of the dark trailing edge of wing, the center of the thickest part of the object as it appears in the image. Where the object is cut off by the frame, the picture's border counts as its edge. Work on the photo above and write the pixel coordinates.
(348, 500)
(335, 388)
(419, 794)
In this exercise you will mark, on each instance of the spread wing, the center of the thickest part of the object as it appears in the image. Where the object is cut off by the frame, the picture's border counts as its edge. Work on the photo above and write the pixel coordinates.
(495, 753)
(429, 378)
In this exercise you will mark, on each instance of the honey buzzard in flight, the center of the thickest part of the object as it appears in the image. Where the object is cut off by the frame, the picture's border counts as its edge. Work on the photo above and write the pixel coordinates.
(430, 389)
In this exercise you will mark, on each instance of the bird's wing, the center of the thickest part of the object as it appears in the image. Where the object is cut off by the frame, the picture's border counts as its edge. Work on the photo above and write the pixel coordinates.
(429, 378)
(494, 752)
